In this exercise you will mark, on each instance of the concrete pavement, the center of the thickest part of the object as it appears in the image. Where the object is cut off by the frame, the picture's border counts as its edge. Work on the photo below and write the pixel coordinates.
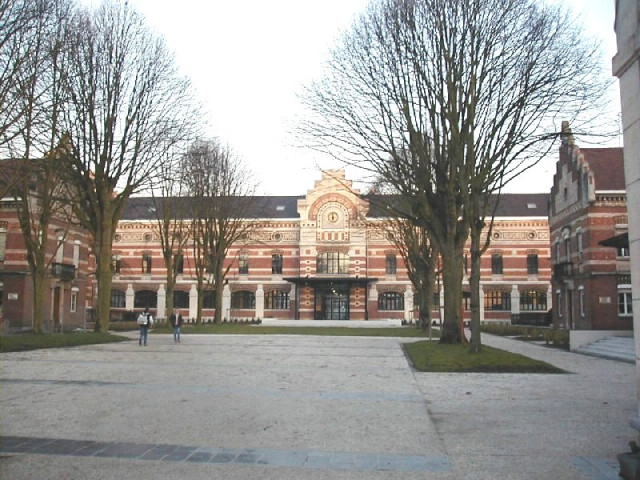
(305, 407)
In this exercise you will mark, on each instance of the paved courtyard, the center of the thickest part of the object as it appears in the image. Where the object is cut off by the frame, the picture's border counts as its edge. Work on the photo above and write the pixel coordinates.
(304, 407)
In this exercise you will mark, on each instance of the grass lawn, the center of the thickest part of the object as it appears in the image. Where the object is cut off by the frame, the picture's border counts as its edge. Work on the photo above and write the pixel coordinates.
(429, 356)
(30, 341)
(426, 355)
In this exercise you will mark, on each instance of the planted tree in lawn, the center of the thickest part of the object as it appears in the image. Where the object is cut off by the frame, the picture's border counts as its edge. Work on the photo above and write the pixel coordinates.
(447, 100)
(219, 190)
(126, 100)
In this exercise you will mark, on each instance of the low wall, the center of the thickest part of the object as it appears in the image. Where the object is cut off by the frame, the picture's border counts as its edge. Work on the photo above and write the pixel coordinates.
(581, 338)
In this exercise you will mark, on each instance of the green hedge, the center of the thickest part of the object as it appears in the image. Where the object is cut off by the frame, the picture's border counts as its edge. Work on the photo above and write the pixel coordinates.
(551, 336)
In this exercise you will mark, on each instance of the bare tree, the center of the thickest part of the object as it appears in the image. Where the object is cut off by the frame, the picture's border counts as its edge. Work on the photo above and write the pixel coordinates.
(431, 94)
(19, 20)
(220, 190)
(173, 224)
(32, 136)
(127, 104)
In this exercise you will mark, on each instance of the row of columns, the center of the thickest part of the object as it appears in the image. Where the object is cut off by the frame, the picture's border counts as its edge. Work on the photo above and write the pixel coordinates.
(161, 306)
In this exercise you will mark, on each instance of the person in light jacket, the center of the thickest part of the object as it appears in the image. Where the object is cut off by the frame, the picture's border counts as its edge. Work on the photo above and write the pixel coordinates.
(176, 322)
(145, 321)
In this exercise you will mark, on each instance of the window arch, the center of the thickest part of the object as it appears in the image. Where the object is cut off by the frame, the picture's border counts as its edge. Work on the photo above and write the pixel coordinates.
(533, 300)
(118, 299)
(180, 299)
(243, 299)
(276, 300)
(209, 299)
(391, 301)
(497, 300)
(145, 299)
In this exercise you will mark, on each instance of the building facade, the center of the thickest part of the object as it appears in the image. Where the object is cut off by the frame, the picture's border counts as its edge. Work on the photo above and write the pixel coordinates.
(324, 256)
(591, 282)
(69, 284)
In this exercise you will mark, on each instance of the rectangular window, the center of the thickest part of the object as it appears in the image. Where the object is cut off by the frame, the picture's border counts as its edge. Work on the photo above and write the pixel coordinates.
(581, 297)
(146, 263)
(496, 264)
(243, 264)
(332, 262)
(115, 263)
(623, 251)
(557, 250)
(533, 300)
(391, 265)
(532, 264)
(567, 248)
(74, 302)
(580, 247)
(276, 264)
(3, 242)
(178, 263)
(497, 300)
(559, 303)
(624, 303)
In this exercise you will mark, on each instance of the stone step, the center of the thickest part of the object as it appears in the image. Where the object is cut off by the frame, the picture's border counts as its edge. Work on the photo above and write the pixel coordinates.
(613, 348)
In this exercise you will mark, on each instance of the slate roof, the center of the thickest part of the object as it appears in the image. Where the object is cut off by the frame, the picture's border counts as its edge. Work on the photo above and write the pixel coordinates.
(510, 205)
(275, 207)
(607, 165)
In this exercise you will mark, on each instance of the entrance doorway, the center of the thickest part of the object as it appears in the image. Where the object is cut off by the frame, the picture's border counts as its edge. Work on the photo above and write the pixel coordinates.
(332, 303)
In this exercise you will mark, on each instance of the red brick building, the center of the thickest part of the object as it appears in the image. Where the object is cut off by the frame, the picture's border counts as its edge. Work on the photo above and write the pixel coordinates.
(323, 256)
(591, 282)
(69, 284)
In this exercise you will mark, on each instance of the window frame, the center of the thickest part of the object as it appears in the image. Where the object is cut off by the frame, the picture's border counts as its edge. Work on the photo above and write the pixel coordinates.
(276, 263)
(533, 300)
(497, 264)
(533, 264)
(497, 300)
(332, 262)
(243, 263)
(147, 261)
(625, 302)
(243, 300)
(391, 264)
(391, 302)
(116, 296)
(276, 300)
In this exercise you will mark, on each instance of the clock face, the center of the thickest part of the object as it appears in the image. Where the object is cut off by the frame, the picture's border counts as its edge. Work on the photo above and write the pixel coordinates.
(332, 217)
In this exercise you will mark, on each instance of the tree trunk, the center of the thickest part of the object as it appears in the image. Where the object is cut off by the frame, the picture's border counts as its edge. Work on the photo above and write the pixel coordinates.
(103, 272)
(219, 279)
(452, 260)
(39, 291)
(474, 285)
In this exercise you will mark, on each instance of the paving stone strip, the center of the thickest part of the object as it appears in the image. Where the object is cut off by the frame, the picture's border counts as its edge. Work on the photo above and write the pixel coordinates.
(311, 459)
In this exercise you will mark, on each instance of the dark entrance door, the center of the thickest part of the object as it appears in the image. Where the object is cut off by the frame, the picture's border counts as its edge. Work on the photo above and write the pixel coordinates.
(332, 303)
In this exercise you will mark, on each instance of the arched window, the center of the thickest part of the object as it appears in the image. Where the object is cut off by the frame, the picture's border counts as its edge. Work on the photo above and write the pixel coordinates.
(145, 299)
(118, 299)
(497, 300)
(243, 299)
(276, 300)
(533, 300)
(332, 262)
(180, 299)
(209, 299)
(391, 301)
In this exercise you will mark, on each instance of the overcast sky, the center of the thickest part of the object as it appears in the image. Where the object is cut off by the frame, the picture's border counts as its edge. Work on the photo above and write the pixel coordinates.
(249, 60)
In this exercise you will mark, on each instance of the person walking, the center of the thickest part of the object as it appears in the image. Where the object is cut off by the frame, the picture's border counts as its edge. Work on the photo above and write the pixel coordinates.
(145, 321)
(176, 322)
